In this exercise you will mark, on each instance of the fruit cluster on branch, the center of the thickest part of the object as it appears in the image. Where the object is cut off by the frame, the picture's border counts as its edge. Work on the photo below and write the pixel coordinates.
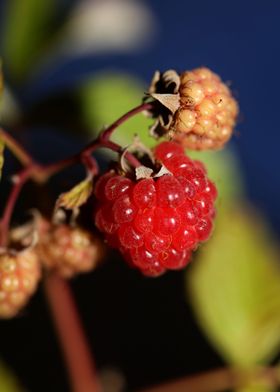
(154, 206)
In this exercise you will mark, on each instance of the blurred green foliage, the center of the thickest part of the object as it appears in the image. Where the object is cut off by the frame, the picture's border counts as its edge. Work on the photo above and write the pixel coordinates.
(235, 289)
(8, 382)
(26, 32)
(1, 82)
(1, 141)
(234, 283)
(108, 96)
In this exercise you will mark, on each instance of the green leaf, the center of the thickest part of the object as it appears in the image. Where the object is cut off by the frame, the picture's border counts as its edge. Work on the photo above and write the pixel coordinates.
(2, 147)
(27, 26)
(77, 196)
(107, 97)
(1, 81)
(8, 383)
(234, 289)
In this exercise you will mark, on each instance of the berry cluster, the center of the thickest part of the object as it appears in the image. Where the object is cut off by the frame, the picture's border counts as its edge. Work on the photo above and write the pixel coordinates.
(156, 216)
(62, 249)
(207, 112)
(157, 222)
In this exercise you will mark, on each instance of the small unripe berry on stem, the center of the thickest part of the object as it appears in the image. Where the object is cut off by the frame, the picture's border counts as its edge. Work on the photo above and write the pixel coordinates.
(19, 277)
(68, 250)
(195, 108)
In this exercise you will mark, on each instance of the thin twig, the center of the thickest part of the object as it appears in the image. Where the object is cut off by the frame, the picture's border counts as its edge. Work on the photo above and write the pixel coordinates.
(19, 181)
(18, 151)
(41, 173)
(105, 135)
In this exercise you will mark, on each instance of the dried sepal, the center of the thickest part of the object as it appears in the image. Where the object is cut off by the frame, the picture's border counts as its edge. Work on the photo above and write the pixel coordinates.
(135, 147)
(162, 171)
(143, 172)
(26, 236)
(164, 92)
(77, 196)
(161, 125)
(170, 101)
(146, 172)
(167, 82)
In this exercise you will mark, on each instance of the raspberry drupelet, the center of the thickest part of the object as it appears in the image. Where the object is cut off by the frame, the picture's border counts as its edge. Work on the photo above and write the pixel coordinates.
(157, 222)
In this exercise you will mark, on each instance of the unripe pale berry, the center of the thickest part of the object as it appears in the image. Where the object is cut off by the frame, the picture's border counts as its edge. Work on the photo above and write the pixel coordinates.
(207, 113)
(194, 108)
(157, 222)
(69, 250)
(19, 277)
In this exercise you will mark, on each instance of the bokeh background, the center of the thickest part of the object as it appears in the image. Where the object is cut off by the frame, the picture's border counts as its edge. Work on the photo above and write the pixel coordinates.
(71, 67)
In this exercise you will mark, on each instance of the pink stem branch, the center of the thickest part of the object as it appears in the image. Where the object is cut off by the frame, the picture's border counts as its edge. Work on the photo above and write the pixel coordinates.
(101, 141)
(19, 181)
(105, 135)
(81, 370)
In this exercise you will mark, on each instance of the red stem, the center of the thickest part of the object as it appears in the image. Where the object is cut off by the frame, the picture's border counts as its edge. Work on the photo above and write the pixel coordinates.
(81, 370)
(101, 141)
(19, 181)
(48, 170)
(16, 148)
(105, 135)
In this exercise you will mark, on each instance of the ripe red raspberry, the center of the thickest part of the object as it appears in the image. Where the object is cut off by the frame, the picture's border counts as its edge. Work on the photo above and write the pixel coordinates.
(69, 251)
(157, 222)
(19, 277)
(207, 113)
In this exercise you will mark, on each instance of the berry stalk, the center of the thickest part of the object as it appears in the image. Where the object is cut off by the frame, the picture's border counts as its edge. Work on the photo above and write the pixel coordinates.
(103, 141)
(18, 151)
(81, 369)
(19, 181)
(107, 133)
(41, 173)
(44, 172)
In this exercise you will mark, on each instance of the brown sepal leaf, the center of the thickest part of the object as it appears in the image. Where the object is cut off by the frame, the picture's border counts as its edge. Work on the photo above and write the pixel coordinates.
(170, 101)
(161, 125)
(77, 196)
(164, 90)
(146, 172)
(167, 82)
